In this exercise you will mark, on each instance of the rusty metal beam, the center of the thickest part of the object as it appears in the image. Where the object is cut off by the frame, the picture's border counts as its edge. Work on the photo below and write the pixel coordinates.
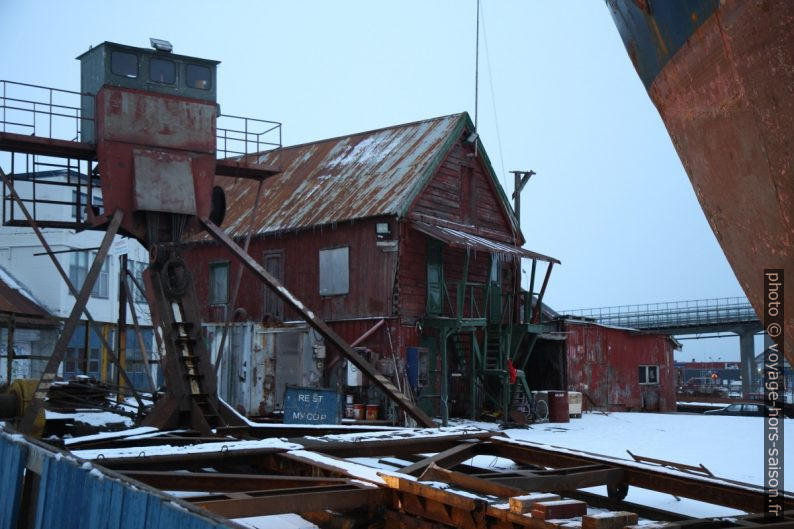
(220, 482)
(472, 483)
(320, 326)
(196, 460)
(563, 479)
(391, 446)
(748, 498)
(448, 458)
(295, 501)
(21, 143)
(237, 169)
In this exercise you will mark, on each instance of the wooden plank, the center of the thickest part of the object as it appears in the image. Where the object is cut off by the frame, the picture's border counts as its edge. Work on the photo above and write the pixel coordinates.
(609, 520)
(523, 504)
(560, 509)
(443, 496)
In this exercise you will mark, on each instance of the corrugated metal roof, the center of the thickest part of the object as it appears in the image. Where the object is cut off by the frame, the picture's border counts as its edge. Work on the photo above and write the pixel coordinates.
(16, 300)
(351, 177)
(461, 239)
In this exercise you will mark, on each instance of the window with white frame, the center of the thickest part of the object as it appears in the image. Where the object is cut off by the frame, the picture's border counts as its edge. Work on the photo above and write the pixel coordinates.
(334, 271)
(79, 263)
(649, 374)
(219, 283)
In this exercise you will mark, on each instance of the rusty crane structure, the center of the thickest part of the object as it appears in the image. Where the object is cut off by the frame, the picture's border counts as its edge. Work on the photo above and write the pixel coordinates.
(147, 136)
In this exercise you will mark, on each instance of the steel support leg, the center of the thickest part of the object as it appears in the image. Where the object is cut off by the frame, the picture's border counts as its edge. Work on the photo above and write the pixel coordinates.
(69, 285)
(55, 360)
(747, 349)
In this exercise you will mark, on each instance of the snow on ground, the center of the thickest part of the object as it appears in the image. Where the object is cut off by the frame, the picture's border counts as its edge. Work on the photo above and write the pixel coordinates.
(730, 447)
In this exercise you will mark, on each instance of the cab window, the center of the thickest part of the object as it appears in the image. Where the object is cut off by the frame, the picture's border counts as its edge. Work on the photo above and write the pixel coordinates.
(124, 64)
(162, 71)
(197, 76)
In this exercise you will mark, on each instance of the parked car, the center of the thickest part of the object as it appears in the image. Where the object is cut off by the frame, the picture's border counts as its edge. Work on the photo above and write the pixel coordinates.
(751, 409)
(703, 386)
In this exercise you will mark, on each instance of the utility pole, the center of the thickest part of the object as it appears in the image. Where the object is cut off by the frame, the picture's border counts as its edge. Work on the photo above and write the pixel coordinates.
(521, 179)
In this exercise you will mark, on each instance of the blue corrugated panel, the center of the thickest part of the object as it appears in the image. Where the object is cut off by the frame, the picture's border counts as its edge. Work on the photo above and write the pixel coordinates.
(70, 496)
(13, 458)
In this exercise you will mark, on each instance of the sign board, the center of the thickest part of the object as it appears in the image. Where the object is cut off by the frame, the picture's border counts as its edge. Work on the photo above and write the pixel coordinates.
(311, 406)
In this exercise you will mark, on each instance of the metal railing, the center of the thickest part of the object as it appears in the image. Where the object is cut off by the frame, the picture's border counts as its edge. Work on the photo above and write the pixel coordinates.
(42, 111)
(674, 314)
(239, 136)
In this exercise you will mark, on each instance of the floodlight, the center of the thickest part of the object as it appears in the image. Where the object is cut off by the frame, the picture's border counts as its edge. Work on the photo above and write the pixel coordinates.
(161, 45)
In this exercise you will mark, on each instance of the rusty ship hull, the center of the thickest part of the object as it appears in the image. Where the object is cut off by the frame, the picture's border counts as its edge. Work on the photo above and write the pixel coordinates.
(721, 74)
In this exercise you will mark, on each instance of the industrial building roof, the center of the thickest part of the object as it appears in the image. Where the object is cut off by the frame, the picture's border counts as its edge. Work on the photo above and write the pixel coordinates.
(363, 175)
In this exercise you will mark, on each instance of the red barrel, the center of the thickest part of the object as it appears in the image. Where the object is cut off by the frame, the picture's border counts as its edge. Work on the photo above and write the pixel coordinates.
(558, 406)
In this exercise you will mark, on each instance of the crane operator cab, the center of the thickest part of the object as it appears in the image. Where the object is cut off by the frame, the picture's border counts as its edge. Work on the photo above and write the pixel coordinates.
(152, 115)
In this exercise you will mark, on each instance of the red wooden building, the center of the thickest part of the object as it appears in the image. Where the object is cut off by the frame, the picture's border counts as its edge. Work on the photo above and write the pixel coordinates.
(407, 225)
(619, 369)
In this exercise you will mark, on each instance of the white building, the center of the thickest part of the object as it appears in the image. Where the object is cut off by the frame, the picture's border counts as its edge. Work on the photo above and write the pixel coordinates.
(24, 257)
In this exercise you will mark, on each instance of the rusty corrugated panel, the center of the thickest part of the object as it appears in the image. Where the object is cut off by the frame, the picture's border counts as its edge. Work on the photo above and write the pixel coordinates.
(461, 239)
(603, 363)
(352, 177)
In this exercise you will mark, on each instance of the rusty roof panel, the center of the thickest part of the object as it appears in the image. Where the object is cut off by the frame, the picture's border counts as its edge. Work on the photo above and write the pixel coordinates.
(461, 239)
(17, 301)
(351, 177)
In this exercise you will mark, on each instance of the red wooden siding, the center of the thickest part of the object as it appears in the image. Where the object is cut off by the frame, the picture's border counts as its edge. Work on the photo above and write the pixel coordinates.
(604, 362)
(371, 276)
(451, 198)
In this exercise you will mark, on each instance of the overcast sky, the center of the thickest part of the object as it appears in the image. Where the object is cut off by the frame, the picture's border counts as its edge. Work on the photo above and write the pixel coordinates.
(558, 95)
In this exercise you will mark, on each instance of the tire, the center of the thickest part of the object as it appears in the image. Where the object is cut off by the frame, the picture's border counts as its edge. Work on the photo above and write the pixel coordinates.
(541, 410)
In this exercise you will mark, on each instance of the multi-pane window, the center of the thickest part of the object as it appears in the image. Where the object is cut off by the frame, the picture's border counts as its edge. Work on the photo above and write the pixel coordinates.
(78, 270)
(219, 283)
(334, 271)
(649, 374)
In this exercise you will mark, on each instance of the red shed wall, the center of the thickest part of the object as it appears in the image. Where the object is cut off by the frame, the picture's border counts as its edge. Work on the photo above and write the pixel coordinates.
(604, 364)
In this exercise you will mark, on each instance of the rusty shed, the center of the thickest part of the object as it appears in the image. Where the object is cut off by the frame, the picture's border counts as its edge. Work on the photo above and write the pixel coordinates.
(404, 230)
(619, 369)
